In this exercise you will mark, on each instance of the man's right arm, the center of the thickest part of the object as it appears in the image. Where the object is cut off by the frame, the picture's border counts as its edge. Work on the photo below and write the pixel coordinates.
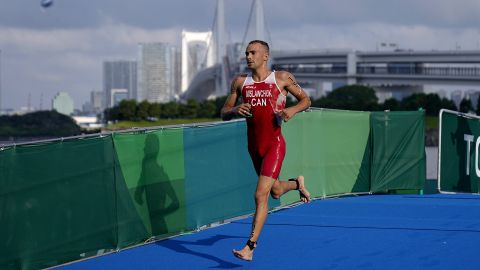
(227, 112)
(229, 109)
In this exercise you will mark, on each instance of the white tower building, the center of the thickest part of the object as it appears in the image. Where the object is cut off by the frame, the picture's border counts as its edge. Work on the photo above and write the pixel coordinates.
(156, 72)
(120, 74)
(197, 54)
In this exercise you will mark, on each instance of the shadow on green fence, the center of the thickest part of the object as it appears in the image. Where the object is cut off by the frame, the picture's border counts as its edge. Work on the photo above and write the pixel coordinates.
(66, 200)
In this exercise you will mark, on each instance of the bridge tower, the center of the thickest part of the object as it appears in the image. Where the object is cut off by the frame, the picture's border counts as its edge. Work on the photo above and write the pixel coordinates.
(197, 83)
(259, 20)
(219, 33)
(256, 26)
(219, 37)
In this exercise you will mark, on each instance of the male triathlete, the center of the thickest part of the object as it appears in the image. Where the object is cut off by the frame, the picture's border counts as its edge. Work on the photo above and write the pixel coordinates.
(263, 94)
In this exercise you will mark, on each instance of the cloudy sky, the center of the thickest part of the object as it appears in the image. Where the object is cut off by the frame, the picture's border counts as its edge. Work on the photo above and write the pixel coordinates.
(44, 51)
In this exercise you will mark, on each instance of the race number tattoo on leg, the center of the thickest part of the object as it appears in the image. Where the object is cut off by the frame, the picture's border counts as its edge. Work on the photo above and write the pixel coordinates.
(253, 231)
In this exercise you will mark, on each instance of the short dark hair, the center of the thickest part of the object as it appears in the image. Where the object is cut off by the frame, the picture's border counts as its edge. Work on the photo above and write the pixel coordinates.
(265, 44)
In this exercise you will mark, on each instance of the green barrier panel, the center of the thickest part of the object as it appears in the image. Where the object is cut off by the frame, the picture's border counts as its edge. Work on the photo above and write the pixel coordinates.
(67, 200)
(398, 157)
(151, 174)
(458, 150)
(57, 202)
(331, 149)
(220, 178)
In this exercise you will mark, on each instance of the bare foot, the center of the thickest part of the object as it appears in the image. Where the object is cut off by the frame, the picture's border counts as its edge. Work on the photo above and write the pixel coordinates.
(245, 254)
(304, 194)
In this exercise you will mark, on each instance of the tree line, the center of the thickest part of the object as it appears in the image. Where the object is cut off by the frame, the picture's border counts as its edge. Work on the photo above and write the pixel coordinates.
(350, 97)
(133, 111)
(38, 124)
(353, 97)
(363, 98)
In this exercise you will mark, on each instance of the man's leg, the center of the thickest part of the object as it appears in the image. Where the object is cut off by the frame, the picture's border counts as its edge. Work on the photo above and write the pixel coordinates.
(264, 187)
(281, 187)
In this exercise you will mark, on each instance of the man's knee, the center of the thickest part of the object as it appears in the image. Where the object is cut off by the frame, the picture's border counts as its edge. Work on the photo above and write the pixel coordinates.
(276, 191)
(261, 196)
(275, 195)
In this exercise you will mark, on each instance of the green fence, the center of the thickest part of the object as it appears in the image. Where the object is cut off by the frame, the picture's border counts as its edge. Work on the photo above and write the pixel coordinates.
(459, 166)
(66, 200)
(398, 153)
(57, 202)
(331, 149)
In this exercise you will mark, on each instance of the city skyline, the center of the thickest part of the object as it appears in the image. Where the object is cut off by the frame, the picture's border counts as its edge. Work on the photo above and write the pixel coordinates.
(120, 74)
(156, 79)
(45, 51)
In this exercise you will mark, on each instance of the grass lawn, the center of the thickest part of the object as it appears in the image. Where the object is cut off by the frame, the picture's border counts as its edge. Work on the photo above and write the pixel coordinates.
(431, 122)
(161, 122)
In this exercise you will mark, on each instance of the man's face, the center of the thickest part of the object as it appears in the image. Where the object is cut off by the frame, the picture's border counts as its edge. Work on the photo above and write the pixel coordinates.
(256, 55)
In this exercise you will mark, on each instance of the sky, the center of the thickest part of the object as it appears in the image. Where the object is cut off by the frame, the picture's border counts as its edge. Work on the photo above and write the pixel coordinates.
(62, 48)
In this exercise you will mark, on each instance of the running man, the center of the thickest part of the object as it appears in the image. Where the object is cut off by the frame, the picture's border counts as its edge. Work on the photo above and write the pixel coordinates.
(264, 94)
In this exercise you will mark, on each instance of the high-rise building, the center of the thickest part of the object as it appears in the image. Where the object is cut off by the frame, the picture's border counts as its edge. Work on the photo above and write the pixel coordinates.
(157, 78)
(118, 95)
(178, 72)
(96, 99)
(63, 103)
(121, 74)
(95, 105)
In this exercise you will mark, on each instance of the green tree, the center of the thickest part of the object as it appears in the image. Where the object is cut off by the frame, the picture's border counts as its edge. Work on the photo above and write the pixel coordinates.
(414, 102)
(349, 97)
(391, 104)
(127, 109)
(448, 104)
(432, 103)
(142, 110)
(40, 123)
(155, 110)
(207, 109)
(219, 102)
(478, 106)
(421, 100)
(291, 101)
(466, 105)
(170, 110)
(324, 102)
(112, 114)
(190, 109)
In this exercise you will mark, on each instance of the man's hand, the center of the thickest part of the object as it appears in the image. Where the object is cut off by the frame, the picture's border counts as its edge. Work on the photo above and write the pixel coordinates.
(288, 82)
(243, 110)
(287, 114)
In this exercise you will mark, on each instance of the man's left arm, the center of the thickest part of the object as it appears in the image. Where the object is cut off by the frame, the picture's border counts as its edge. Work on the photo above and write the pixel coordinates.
(290, 85)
